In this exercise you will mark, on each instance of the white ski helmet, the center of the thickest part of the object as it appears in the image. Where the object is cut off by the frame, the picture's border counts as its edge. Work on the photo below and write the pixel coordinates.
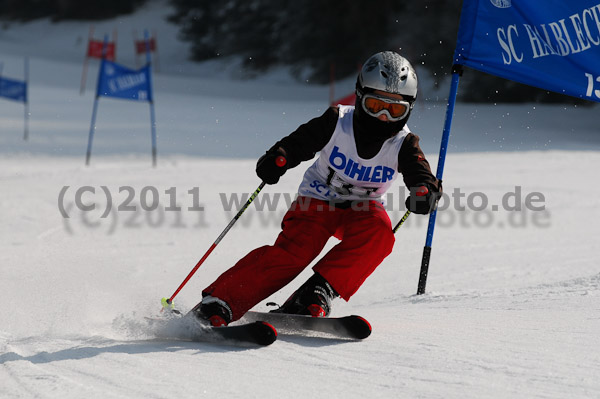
(390, 72)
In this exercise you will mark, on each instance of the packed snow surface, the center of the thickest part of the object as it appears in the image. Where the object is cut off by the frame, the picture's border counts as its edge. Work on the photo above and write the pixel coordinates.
(512, 307)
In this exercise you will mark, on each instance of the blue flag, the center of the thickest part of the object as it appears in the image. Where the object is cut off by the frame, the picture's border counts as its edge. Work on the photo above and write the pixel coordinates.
(120, 82)
(551, 45)
(13, 89)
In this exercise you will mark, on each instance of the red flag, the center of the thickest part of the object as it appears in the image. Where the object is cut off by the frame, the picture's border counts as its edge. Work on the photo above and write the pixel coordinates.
(95, 49)
(140, 46)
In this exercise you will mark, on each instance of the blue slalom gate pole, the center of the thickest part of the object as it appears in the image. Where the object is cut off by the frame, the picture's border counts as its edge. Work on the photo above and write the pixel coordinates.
(152, 117)
(92, 128)
(456, 73)
(95, 109)
(26, 116)
(153, 133)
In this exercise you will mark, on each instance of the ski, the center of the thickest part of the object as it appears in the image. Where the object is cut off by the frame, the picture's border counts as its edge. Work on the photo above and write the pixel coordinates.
(257, 333)
(347, 327)
(185, 329)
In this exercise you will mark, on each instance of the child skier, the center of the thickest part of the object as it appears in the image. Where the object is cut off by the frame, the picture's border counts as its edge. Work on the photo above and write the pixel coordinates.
(362, 150)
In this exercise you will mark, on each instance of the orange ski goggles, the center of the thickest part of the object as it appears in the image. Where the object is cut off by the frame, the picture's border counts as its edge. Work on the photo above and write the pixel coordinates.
(376, 105)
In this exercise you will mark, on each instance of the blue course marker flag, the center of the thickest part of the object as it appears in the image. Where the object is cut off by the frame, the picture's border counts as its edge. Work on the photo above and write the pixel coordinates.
(16, 90)
(551, 45)
(13, 89)
(118, 81)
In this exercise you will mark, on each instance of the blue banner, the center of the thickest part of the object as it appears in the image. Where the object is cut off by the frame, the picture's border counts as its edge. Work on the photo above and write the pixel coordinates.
(551, 45)
(120, 82)
(13, 89)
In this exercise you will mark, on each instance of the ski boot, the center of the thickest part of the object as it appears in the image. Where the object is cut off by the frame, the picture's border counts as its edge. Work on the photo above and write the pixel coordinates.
(212, 310)
(313, 298)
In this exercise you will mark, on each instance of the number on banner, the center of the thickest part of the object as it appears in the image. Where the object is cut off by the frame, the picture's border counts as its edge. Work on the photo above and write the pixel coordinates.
(590, 89)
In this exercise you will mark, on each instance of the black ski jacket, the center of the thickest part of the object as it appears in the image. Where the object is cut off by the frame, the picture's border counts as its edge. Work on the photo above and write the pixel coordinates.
(311, 137)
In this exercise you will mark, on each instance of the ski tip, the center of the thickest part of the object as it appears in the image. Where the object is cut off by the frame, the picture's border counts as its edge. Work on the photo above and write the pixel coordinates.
(267, 335)
(362, 328)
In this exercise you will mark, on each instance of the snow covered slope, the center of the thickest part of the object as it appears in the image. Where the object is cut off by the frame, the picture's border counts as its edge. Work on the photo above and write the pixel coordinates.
(512, 308)
(513, 302)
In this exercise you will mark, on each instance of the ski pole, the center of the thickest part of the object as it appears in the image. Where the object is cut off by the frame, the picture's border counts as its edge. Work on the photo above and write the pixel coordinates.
(168, 302)
(420, 193)
(401, 222)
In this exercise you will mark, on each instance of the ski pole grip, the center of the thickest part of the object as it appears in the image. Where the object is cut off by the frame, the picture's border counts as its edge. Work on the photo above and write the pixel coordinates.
(422, 191)
(280, 161)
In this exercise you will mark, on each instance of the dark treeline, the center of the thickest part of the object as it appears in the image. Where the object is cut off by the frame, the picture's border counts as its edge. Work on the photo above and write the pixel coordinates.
(310, 35)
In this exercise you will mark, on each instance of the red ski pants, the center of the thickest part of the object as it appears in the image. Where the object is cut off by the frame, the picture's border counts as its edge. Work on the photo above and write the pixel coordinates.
(366, 238)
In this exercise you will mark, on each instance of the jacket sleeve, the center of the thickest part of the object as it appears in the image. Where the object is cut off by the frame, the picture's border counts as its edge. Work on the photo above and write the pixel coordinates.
(414, 167)
(309, 138)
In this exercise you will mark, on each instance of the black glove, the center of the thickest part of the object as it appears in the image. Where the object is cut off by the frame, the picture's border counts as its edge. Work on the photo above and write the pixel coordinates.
(271, 166)
(422, 199)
